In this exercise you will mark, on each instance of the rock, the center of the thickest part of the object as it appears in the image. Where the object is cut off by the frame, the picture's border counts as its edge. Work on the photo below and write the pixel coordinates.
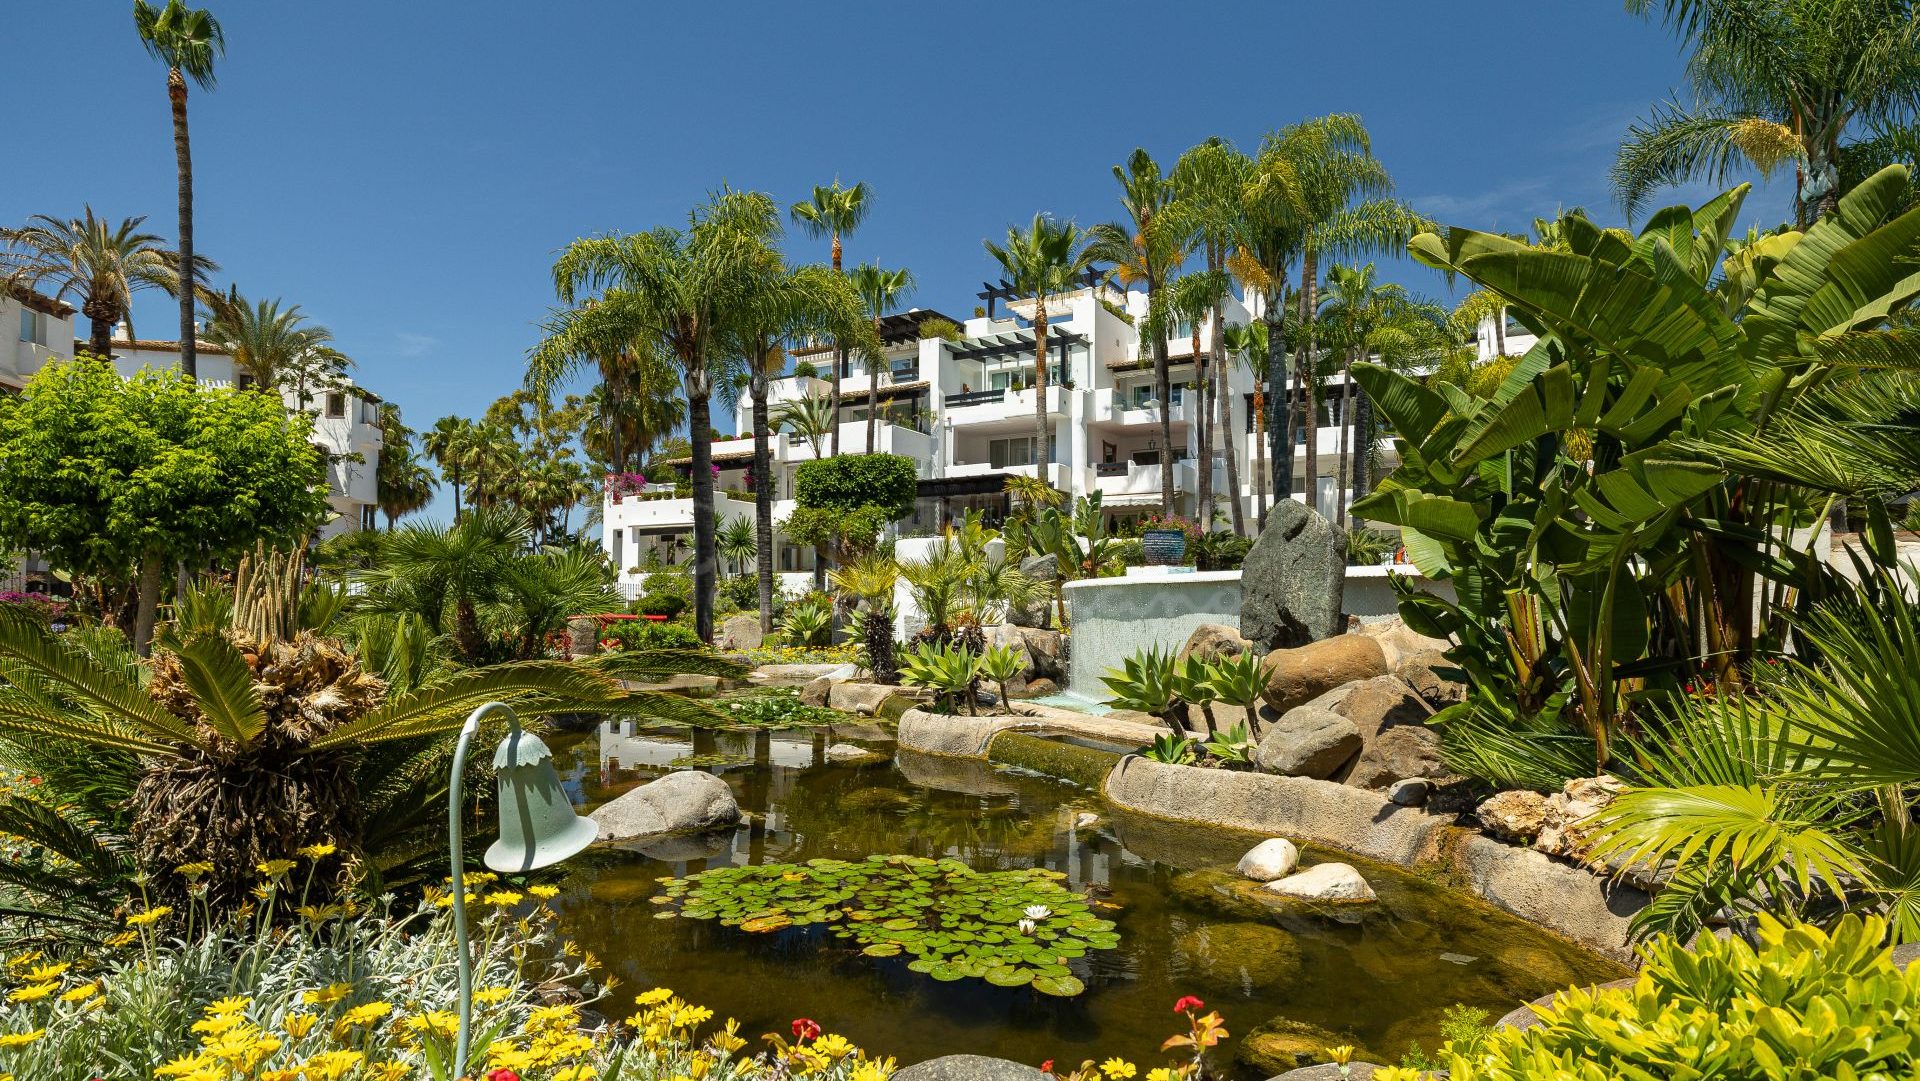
(1410, 791)
(1038, 612)
(1325, 882)
(1243, 956)
(817, 691)
(1398, 640)
(685, 848)
(1283, 1044)
(683, 801)
(1516, 815)
(583, 636)
(740, 632)
(1397, 754)
(1299, 675)
(970, 1068)
(1048, 649)
(1383, 702)
(1433, 677)
(1086, 820)
(1211, 642)
(1307, 742)
(1525, 1017)
(862, 698)
(1327, 1071)
(852, 754)
(899, 702)
(1272, 858)
(1293, 580)
(1038, 688)
(1560, 832)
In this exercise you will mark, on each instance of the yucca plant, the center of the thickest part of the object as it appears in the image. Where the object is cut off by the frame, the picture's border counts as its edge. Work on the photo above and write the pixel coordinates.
(1002, 665)
(1238, 681)
(1145, 682)
(949, 672)
(869, 580)
(234, 749)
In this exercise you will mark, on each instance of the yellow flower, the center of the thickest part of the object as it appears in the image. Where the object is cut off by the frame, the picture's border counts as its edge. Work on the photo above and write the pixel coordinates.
(150, 917)
(1341, 1055)
(34, 992)
(436, 1022)
(503, 1055)
(691, 1016)
(872, 1071)
(319, 913)
(728, 1040)
(219, 1024)
(366, 1013)
(11, 1040)
(1163, 1073)
(1118, 1069)
(387, 1071)
(490, 996)
(42, 973)
(180, 1067)
(297, 1025)
(834, 1045)
(582, 1072)
(21, 959)
(545, 893)
(195, 869)
(328, 995)
(81, 993)
(657, 995)
(503, 898)
(331, 1065)
(280, 1075)
(231, 1004)
(124, 938)
(276, 868)
(547, 1017)
(314, 852)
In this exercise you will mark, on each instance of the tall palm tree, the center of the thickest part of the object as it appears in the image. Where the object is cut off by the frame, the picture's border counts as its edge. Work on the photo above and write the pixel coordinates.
(1147, 250)
(880, 291)
(273, 346)
(1208, 181)
(1045, 258)
(100, 266)
(834, 212)
(447, 443)
(188, 41)
(1356, 306)
(403, 482)
(679, 289)
(1320, 177)
(1247, 343)
(809, 417)
(1831, 86)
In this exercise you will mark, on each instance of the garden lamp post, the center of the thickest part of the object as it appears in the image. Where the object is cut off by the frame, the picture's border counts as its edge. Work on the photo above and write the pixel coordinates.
(537, 829)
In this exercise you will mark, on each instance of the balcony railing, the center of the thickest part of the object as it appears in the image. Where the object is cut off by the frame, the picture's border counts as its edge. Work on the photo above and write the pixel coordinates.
(975, 397)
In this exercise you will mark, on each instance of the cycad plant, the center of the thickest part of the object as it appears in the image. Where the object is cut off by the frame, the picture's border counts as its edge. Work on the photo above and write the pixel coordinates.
(869, 581)
(238, 747)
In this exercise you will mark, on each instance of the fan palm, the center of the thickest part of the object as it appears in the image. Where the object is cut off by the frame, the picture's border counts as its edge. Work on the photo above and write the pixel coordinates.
(99, 265)
(1044, 259)
(1146, 250)
(834, 212)
(446, 444)
(188, 41)
(880, 291)
(1829, 85)
(679, 289)
(446, 573)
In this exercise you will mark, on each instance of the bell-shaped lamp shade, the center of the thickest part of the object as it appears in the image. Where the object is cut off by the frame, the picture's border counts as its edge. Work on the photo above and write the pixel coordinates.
(537, 825)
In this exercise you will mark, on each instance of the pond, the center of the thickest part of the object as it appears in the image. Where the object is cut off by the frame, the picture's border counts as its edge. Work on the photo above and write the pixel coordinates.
(1378, 978)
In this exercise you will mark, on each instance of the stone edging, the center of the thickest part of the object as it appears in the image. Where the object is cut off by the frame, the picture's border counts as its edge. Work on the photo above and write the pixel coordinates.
(958, 736)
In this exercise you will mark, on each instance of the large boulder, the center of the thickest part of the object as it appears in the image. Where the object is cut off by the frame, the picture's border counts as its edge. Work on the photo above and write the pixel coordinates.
(1378, 704)
(1325, 882)
(1433, 677)
(970, 1068)
(862, 698)
(1400, 752)
(1298, 675)
(740, 631)
(680, 802)
(1293, 580)
(1212, 642)
(1307, 741)
(1039, 611)
(1048, 650)
(1283, 1044)
(1327, 1071)
(583, 636)
(1399, 640)
(816, 691)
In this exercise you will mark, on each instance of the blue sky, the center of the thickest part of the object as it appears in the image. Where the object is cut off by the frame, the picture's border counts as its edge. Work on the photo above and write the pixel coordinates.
(406, 170)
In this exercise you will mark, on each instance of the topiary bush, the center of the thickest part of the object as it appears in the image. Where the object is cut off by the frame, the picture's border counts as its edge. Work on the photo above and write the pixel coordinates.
(851, 481)
(1806, 1003)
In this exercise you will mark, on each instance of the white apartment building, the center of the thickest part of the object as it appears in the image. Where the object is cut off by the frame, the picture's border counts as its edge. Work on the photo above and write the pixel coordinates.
(35, 329)
(964, 412)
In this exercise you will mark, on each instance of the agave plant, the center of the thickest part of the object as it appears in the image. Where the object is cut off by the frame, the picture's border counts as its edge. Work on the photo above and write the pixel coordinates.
(1234, 745)
(1238, 681)
(1192, 685)
(1002, 665)
(951, 673)
(1145, 682)
(1171, 748)
(233, 748)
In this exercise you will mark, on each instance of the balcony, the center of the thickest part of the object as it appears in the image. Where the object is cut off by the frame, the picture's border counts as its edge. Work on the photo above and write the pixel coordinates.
(888, 438)
(1134, 482)
(1056, 473)
(1109, 406)
(988, 406)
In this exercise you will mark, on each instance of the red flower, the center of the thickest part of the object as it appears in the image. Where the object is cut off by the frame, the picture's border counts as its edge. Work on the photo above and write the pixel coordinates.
(803, 1030)
(1186, 1003)
(502, 1074)
(1047, 1066)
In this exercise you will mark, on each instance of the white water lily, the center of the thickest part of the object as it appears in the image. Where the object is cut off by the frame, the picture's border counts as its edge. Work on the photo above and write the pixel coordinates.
(1038, 912)
(1026, 927)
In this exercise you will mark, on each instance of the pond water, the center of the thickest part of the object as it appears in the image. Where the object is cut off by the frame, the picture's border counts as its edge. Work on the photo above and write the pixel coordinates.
(1378, 979)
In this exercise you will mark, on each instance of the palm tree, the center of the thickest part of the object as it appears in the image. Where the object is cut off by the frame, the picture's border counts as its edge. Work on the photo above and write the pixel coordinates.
(1208, 181)
(880, 291)
(869, 581)
(273, 346)
(834, 212)
(97, 265)
(188, 41)
(737, 543)
(809, 417)
(1146, 250)
(1321, 178)
(1039, 261)
(1193, 298)
(1778, 82)
(452, 571)
(1356, 307)
(1245, 341)
(677, 289)
(403, 481)
(446, 443)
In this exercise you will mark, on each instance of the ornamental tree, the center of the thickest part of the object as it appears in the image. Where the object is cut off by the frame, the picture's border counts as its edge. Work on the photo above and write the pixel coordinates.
(842, 503)
(108, 477)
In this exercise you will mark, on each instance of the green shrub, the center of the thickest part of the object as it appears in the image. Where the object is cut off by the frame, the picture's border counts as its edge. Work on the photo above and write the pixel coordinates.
(808, 621)
(666, 592)
(741, 593)
(638, 635)
(851, 481)
(1807, 1003)
(950, 673)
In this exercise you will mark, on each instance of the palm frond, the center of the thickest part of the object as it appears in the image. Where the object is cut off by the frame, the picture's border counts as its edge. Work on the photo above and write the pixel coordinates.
(222, 685)
(532, 687)
(654, 665)
(109, 694)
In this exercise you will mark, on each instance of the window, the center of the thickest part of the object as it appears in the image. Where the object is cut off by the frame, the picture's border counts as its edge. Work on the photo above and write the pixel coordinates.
(33, 327)
(1002, 453)
(336, 404)
(618, 564)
